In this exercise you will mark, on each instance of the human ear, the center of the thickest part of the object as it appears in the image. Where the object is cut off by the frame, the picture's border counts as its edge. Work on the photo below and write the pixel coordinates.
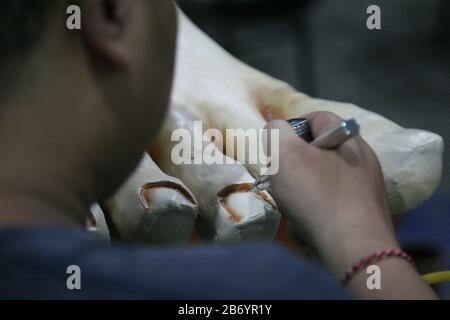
(104, 28)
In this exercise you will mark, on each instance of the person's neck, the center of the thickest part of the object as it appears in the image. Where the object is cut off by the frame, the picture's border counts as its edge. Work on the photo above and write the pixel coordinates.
(42, 181)
(30, 207)
(39, 188)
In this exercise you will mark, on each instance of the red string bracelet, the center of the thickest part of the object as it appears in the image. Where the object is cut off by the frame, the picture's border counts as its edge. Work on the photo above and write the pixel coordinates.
(372, 259)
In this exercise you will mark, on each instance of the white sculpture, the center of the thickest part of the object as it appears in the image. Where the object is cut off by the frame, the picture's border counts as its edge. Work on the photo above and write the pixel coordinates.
(216, 88)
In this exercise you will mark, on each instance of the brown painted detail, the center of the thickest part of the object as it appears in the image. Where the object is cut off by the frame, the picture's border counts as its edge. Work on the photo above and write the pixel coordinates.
(241, 188)
(210, 124)
(220, 141)
(270, 113)
(91, 222)
(163, 184)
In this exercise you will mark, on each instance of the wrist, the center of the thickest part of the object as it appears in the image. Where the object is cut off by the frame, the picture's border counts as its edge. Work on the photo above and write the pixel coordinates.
(342, 243)
(342, 255)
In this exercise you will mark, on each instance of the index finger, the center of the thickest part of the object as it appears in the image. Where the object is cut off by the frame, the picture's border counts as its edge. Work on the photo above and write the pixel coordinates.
(322, 121)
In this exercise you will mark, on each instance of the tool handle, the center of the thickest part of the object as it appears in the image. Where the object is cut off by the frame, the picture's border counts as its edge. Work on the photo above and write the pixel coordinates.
(337, 136)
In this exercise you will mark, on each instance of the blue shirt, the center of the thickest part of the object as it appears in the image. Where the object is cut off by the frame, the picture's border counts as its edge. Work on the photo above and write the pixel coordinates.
(34, 264)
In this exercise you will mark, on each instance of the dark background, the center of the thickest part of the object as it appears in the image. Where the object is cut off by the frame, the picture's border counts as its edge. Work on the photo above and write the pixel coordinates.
(323, 48)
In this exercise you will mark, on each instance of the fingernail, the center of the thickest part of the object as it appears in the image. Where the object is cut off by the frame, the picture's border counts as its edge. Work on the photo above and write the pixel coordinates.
(244, 215)
(145, 197)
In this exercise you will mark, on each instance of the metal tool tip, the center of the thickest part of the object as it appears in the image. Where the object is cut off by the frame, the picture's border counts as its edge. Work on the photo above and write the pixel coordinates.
(351, 127)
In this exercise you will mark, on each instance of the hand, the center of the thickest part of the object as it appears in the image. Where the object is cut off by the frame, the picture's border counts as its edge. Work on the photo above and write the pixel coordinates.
(336, 199)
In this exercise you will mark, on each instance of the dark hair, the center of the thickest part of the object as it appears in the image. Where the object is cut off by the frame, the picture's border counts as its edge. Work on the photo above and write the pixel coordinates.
(22, 22)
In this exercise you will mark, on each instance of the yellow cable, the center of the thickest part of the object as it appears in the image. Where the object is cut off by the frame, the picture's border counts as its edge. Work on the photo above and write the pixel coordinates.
(437, 277)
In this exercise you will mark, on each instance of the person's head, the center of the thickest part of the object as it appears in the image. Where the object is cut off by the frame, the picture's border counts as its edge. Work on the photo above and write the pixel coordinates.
(91, 98)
